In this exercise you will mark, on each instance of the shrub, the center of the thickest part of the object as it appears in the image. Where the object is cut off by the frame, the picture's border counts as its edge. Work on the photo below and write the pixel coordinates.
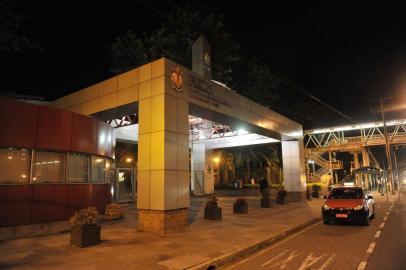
(84, 217)
(240, 201)
(316, 188)
(211, 201)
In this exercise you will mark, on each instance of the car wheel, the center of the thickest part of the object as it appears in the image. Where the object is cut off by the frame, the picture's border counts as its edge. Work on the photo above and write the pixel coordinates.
(326, 221)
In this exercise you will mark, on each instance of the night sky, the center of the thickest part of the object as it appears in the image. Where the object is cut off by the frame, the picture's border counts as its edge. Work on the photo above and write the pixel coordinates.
(347, 53)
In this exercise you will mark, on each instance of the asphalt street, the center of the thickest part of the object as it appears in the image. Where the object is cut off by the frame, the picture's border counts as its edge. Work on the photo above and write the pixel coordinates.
(390, 251)
(338, 246)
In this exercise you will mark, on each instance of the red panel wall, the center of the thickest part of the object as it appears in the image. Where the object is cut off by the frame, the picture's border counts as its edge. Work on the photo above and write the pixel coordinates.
(84, 134)
(49, 203)
(30, 204)
(100, 194)
(79, 196)
(34, 126)
(54, 129)
(18, 122)
(15, 204)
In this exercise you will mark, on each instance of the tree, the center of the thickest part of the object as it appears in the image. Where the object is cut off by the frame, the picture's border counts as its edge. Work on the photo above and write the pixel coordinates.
(10, 39)
(173, 39)
(242, 72)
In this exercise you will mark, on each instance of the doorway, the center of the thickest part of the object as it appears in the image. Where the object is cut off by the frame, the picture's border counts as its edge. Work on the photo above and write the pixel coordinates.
(125, 184)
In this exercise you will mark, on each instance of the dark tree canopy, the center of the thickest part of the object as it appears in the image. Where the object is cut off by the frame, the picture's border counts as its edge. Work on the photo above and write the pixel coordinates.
(10, 39)
(243, 72)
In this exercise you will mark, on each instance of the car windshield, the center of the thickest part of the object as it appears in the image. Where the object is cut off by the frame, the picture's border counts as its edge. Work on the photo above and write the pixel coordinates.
(346, 193)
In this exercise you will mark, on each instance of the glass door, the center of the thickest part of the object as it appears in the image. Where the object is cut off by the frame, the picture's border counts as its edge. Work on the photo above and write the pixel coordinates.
(125, 184)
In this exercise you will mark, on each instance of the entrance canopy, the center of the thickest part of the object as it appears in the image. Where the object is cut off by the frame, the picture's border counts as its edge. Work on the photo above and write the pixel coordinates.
(206, 99)
(164, 98)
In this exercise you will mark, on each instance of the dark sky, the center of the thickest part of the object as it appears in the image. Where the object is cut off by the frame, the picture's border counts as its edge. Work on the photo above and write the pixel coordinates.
(345, 52)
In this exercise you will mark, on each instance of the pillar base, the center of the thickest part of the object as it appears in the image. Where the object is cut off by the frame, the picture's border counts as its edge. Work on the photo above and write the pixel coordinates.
(296, 196)
(160, 221)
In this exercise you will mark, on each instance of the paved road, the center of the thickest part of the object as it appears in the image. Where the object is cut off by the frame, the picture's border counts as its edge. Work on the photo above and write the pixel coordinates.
(320, 246)
(390, 251)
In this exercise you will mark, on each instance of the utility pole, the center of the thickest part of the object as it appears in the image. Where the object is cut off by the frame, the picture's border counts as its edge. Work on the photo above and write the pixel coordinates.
(387, 147)
(396, 167)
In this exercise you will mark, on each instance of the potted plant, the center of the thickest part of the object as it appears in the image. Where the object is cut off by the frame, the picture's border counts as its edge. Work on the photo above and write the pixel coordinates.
(212, 210)
(281, 196)
(266, 201)
(240, 206)
(315, 191)
(85, 230)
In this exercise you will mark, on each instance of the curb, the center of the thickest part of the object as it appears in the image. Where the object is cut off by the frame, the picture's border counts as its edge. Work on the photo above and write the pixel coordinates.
(248, 250)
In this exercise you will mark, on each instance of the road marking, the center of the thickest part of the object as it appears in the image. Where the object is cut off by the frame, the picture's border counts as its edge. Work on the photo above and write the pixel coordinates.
(273, 246)
(284, 263)
(377, 234)
(362, 265)
(382, 225)
(274, 258)
(385, 218)
(387, 213)
(309, 261)
(371, 248)
(326, 263)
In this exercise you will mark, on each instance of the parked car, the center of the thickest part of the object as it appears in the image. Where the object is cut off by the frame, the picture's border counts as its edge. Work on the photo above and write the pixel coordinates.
(348, 203)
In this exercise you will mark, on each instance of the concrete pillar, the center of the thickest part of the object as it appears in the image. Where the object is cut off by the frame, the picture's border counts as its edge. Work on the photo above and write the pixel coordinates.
(330, 159)
(356, 160)
(365, 157)
(365, 162)
(198, 168)
(294, 170)
(358, 180)
(163, 157)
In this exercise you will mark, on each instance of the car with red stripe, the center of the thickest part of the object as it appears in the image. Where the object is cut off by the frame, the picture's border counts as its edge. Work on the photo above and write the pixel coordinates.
(348, 203)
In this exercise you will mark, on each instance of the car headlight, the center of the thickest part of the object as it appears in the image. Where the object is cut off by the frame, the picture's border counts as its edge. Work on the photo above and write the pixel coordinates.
(359, 207)
(326, 207)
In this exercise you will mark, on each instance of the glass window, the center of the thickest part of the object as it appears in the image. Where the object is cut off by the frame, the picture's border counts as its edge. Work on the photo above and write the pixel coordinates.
(97, 169)
(348, 193)
(15, 165)
(78, 168)
(109, 172)
(48, 167)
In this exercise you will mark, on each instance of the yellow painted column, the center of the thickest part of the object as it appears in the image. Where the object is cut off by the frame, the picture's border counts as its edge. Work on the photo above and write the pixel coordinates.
(163, 153)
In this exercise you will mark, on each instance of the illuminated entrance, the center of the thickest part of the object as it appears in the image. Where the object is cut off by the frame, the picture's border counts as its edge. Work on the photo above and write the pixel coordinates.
(163, 95)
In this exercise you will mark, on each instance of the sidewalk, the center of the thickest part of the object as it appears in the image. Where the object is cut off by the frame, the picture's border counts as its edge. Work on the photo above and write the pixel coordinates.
(123, 247)
(382, 198)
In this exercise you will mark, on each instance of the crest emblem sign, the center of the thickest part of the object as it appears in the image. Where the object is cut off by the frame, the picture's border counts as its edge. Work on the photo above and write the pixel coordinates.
(177, 79)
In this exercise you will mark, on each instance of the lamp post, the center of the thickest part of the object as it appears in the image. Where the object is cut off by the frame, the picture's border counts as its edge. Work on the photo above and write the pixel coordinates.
(387, 148)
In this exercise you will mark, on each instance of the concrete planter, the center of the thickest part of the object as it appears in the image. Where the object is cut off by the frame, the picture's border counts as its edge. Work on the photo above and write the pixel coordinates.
(267, 203)
(85, 236)
(212, 213)
(240, 208)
